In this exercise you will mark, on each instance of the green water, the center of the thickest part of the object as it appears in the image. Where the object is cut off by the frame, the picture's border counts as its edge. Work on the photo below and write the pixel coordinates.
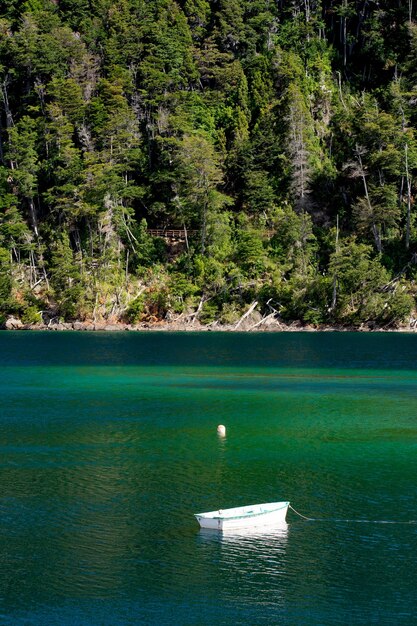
(108, 446)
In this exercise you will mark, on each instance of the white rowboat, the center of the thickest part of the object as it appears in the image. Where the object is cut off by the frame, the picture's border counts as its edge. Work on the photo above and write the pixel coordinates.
(253, 516)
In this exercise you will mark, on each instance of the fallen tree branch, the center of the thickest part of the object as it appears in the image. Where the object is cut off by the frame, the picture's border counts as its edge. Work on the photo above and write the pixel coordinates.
(38, 281)
(263, 320)
(196, 313)
(396, 278)
(248, 312)
(272, 308)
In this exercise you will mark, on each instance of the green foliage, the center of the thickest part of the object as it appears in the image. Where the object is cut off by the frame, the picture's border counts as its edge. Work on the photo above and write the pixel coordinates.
(219, 244)
(146, 249)
(135, 310)
(65, 278)
(5, 279)
(362, 293)
(250, 252)
(23, 156)
(231, 313)
(156, 303)
(279, 136)
(198, 15)
(293, 244)
(30, 315)
(209, 312)
(301, 298)
(181, 292)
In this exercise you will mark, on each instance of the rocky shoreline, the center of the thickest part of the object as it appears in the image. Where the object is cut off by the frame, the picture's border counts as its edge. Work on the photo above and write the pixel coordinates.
(13, 324)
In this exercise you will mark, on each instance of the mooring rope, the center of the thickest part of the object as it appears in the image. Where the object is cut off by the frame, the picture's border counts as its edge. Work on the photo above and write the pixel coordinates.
(350, 521)
(309, 519)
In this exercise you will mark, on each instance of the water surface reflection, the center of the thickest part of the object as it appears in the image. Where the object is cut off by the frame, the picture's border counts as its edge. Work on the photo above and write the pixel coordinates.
(106, 455)
(251, 560)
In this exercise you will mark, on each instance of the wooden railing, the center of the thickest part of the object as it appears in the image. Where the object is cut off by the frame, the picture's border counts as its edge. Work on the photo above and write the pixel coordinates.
(179, 234)
(174, 234)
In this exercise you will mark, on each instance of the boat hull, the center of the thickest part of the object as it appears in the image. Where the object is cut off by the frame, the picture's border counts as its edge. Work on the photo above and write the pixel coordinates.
(252, 516)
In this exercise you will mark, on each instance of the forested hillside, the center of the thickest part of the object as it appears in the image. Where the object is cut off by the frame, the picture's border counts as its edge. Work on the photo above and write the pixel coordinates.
(278, 136)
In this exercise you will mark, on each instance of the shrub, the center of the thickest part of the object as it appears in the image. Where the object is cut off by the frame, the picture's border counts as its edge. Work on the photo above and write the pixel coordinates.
(209, 313)
(135, 310)
(31, 315)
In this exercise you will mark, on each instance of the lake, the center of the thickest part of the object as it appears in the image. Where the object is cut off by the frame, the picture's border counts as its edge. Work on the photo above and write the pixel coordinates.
(108, 446)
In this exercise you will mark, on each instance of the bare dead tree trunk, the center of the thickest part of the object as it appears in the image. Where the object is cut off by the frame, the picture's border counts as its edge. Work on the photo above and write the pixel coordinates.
(1, 143)
(377, 236)
(334, 297)
(41, 263)
(245, 315)
(298, 152)
(204, 227)
(186, 236)
(32, 275)
(408, 181)
(33, 217)
(9, 116)
(179, 205)
(339, 77)
(374, 227)
(198, 311)
(265, 319)
(307, 15)
(344, 26)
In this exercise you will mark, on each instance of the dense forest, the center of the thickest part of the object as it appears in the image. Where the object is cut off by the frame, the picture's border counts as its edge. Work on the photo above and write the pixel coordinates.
(278, 137)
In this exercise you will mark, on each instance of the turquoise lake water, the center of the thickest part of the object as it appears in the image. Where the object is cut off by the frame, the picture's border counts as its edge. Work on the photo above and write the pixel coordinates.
(108, 446)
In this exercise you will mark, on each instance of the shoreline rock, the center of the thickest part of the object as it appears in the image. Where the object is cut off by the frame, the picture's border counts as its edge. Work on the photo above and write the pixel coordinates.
(274, 326)
(14, 323)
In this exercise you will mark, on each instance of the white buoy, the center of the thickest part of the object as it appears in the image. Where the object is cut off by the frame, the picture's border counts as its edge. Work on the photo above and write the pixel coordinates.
(221, 430)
